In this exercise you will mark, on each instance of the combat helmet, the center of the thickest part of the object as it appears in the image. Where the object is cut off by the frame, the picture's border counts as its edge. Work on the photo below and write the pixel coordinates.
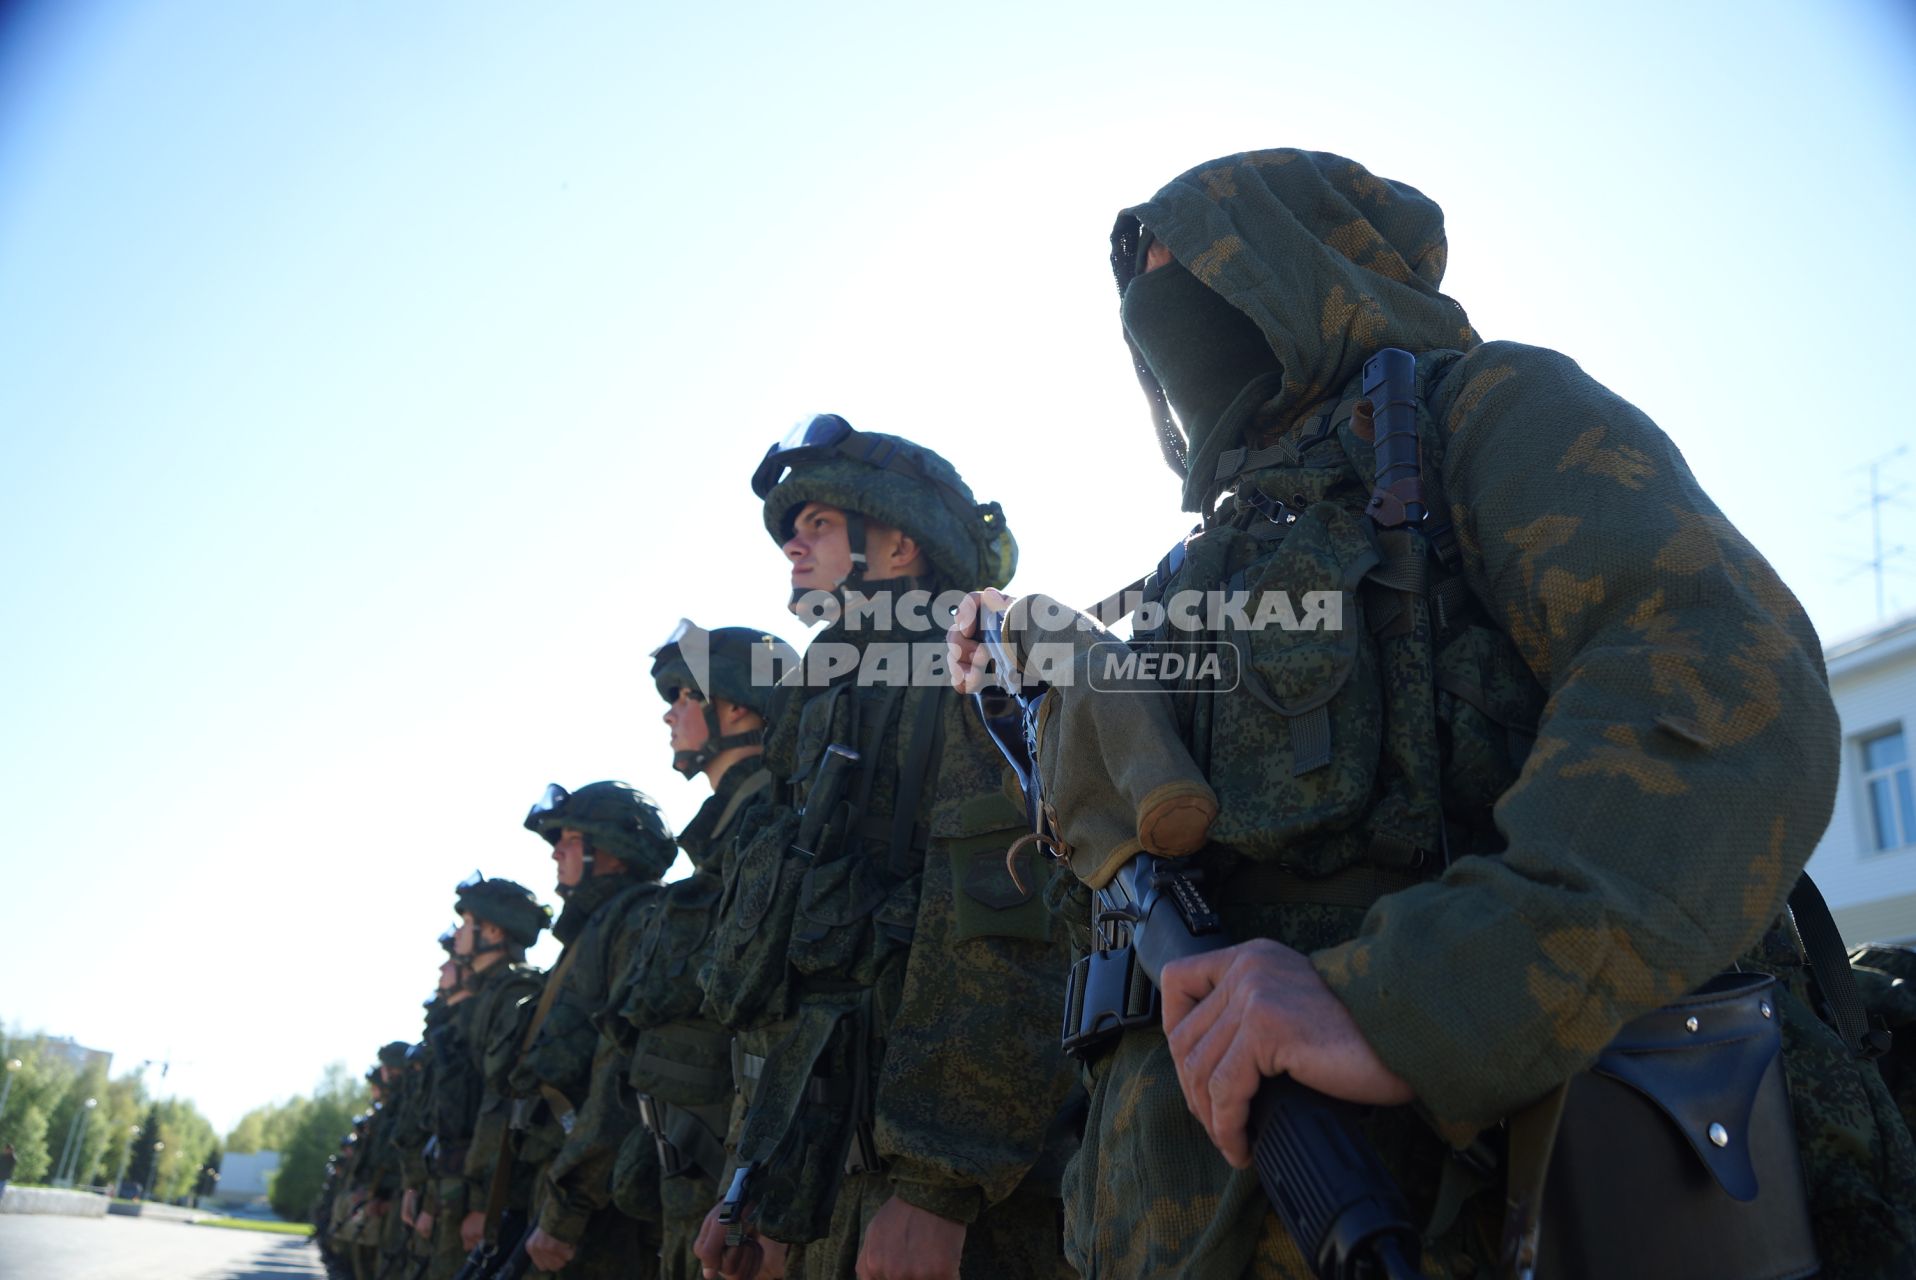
(615, 818)
(718, 664)
(890, 479)
(393, 1053)
(506, 903)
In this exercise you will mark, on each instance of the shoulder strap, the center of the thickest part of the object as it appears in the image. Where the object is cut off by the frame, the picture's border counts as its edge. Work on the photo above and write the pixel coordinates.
(547, 996)
(757, 783)
(1828, 962)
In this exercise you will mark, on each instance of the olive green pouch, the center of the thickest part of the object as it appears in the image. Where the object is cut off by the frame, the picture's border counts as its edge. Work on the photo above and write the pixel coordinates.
(995, 893)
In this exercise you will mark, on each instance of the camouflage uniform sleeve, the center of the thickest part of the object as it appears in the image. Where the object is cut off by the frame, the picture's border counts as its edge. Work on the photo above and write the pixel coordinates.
(579, 1179)
(972, 1076)
(1684, 767)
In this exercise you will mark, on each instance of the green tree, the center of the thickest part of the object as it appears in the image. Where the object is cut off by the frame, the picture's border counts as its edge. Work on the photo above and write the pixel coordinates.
(267, 1128)
(146, 1153)
(326, 1118)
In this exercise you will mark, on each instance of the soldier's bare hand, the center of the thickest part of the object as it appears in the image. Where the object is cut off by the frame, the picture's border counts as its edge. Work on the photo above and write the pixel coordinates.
(759, 1258)
(964, 650)
(472, 1229)
(905, 1242)
(548, 1252)
(408, 1205)
(1259, 1009)
(422, 1225)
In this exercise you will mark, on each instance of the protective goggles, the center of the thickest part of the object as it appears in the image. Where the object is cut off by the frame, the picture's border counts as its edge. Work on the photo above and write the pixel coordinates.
(550, 803)
(686, 630)
(827, 435)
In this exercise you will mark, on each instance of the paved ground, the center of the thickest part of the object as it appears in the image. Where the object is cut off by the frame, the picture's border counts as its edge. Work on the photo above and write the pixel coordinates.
(50, 1247)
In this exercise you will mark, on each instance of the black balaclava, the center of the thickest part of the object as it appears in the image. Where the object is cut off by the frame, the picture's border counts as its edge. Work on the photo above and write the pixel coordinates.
(1217, 369)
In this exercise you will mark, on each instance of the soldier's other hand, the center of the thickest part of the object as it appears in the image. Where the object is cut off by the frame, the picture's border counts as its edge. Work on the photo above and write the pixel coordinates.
(1259, 1009)
(965, 652)
(472, 1229)
(905, 1242)
(422, 1225)
(408, 1205)
(546, 1252)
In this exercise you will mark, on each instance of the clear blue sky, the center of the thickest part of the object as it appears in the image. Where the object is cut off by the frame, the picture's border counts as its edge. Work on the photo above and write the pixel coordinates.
(379, 383)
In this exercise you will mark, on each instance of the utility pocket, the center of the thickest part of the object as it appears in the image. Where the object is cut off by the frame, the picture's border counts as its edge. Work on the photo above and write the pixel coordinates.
(1294, 753)
(749, 980)
(987, 900)
(852, 917)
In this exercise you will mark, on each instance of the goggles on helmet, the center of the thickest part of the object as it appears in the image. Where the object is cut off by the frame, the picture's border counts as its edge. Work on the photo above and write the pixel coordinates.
(826, 435)
(550, 803)
(674, 644)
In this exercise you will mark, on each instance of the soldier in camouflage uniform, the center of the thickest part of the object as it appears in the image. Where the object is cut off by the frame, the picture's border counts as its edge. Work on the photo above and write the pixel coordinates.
(419, 1201)
(498, 921)
(1631, 711)
(894, 988)
(374, 1184)
(680, 1062)
(483, 962)
(611, 847)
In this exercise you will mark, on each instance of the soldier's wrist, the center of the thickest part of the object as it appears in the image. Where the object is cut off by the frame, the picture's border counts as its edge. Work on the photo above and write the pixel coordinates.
(958, 1203)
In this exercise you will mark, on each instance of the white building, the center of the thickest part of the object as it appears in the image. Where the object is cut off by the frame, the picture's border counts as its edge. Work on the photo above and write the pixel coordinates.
(1866, 863)
(245, 1180)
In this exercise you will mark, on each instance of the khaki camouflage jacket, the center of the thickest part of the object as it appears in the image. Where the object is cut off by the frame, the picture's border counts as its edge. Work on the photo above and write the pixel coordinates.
(1685, 751)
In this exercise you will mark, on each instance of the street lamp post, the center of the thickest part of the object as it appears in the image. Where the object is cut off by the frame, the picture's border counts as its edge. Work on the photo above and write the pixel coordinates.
(70, 1153)
(153, 1174)
(126, 1158)
(13, 1065)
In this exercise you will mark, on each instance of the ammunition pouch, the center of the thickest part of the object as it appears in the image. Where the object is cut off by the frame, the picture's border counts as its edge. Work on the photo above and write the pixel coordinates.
(1674, 1154)
(810, 1122)
(749, 980)
(690, 1140)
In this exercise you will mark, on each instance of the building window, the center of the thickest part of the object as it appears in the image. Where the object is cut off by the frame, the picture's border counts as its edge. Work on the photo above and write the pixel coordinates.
(1892, 798)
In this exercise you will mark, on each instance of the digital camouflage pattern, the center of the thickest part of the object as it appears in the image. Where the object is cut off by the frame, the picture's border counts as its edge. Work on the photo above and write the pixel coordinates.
(1685, 753)
(1886, 976)
(966, 541)
(566, 1071)
(930, 986)
(679, 1058)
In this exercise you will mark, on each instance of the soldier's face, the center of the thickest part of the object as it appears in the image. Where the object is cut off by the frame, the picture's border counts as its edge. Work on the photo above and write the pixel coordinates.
(686, 718)
(466, 937)
(569, 853)
(448, 976)
(820, 549)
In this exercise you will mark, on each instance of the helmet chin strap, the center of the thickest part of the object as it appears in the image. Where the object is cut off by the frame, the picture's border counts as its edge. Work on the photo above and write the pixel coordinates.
(691, 763)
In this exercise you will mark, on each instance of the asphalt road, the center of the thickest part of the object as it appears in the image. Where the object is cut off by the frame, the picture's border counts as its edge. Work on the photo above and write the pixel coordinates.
(45, 1246)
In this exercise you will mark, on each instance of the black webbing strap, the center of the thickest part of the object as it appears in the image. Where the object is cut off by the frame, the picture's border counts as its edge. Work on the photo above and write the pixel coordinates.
(921, 757)
(1828, 960)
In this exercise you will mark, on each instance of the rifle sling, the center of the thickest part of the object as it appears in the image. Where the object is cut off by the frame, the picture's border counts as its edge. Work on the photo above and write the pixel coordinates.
(502, 1164)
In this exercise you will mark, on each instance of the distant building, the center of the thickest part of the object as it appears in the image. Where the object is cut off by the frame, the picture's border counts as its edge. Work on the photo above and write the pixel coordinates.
(245, 1179)
(77, 1056)
(1866, 863)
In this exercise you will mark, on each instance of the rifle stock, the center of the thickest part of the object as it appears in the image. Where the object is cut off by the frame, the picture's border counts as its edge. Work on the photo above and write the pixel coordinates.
(1320, 1174)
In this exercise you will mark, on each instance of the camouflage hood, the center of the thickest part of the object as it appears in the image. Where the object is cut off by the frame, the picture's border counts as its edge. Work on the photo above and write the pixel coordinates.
(1328, 262)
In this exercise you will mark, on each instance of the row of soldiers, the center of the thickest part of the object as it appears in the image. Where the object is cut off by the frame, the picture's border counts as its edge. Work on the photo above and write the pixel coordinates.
(1555, 760)
(886, 1067)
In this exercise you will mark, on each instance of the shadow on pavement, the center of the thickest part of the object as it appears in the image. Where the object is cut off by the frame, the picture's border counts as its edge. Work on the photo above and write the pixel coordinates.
(291, 1257)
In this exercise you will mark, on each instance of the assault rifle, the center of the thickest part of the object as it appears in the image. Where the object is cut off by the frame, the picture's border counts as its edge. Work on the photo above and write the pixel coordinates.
(1321, 1175)
(495, 1261)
